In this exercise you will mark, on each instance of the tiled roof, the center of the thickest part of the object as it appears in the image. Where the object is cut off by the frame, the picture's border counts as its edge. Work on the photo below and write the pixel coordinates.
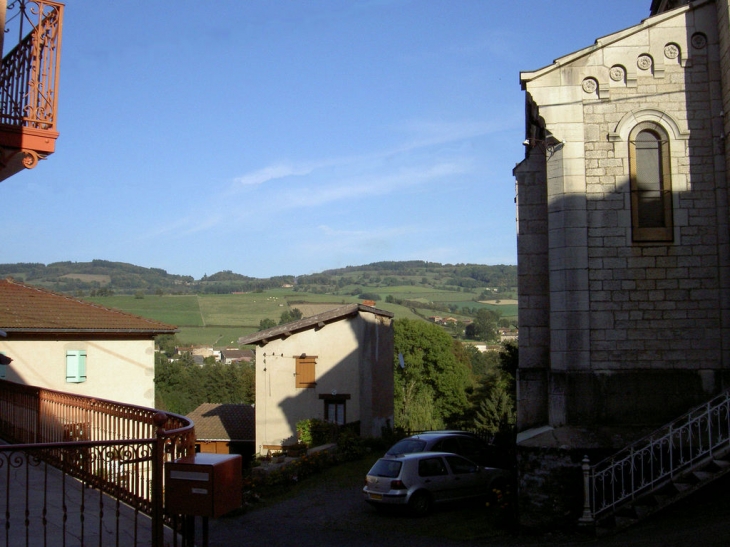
(224, 422)
(318, 321)
(238, 354)
(24, 308)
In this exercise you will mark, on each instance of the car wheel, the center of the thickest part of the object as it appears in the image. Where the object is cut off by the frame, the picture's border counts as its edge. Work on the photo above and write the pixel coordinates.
(420, 504)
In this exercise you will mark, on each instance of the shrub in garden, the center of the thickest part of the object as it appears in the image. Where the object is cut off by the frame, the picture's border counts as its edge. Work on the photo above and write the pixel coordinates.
(350, 446)
(314, 432)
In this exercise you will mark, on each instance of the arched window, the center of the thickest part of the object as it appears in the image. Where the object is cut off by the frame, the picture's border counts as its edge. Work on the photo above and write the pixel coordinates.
(651, 184)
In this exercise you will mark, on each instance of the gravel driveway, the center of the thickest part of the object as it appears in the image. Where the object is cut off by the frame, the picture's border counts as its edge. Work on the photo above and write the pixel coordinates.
(327, 513)
(324, 512)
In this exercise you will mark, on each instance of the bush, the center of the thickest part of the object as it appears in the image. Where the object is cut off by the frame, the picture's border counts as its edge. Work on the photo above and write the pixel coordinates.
(259, 485)
(314, 432)
(350, 446)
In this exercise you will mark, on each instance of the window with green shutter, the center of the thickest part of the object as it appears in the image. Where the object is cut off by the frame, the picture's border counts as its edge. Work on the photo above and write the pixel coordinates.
(75, 366)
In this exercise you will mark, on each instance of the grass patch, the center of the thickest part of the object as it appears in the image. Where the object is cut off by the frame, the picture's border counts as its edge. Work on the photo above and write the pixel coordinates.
(213, 336)
(174, 310)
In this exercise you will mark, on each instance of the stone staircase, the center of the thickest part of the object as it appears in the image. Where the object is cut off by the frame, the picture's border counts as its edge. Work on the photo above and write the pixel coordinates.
(664, 495)
(660, 469)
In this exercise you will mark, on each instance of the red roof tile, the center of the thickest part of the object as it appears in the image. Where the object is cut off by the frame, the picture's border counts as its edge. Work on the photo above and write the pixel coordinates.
(24, 308)
(224, 422)
(282, 331)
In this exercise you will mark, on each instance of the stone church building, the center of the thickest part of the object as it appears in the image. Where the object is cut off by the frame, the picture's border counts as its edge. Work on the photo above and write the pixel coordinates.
(623, 203)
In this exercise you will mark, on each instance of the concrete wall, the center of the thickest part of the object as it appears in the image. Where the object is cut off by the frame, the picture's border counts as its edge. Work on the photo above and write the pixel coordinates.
(118, 370)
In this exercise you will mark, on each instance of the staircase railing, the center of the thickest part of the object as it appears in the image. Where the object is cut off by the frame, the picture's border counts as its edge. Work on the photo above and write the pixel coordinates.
(657, 458)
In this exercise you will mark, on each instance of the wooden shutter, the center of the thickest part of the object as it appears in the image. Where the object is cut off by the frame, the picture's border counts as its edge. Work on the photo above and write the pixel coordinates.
(305, 372)
(75, 366)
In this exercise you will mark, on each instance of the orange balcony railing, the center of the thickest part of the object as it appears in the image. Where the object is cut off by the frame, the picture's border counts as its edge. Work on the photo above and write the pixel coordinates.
(80, 464)
(29, 84)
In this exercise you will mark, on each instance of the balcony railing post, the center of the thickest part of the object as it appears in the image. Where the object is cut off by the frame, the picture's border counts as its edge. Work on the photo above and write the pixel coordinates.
(587, 518)
(670, 436)
(158, 468)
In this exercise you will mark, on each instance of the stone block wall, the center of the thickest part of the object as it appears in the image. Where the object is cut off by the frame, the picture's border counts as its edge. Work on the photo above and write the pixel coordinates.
(655, 305)
(534, 300)
(618, 307)
(617, 336)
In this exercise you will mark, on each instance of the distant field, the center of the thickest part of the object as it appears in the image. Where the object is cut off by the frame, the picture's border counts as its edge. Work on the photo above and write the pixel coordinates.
(213, 319)
(90, 278)
(506, 302)
(213, 336)
(174, 310)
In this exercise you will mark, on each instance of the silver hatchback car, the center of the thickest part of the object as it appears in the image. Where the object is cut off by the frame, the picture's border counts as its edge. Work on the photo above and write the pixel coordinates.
(420, 480)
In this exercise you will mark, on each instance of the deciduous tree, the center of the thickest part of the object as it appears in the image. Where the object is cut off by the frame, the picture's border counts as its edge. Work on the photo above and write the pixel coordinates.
(432, 384)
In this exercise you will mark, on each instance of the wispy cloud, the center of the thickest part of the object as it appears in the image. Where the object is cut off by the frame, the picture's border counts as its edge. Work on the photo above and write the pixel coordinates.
(419, 134)
(272, 172)
(351, 243)
(328, 181)
(426, 133)
(371, 184)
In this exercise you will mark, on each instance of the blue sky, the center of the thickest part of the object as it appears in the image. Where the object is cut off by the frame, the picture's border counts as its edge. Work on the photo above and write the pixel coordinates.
(289, 137)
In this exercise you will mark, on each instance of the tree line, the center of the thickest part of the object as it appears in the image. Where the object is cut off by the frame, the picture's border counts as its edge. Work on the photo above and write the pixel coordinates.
(123, 278)
(439, 382)
(442, 383)
(181, 385)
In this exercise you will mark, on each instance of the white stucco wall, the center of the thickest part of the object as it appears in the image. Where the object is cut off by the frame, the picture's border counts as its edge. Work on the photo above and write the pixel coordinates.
(279, 404)
(118, 370)
(354, 358)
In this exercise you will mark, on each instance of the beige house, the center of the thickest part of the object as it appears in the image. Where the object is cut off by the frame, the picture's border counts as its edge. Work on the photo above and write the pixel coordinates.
(335, 366)
(61, 343)
(623, 255)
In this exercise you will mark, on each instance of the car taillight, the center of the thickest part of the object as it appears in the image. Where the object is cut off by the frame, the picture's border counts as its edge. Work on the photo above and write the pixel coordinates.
(397, 485)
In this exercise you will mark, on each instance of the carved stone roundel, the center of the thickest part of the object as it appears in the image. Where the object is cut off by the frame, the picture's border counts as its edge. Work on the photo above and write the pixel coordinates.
(671, 51)
(616, 73)
(699, 40)
(590, 85)
(644, 62)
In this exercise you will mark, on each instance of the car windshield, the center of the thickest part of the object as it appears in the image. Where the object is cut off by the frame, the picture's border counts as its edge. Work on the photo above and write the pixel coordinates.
(386, 468)
(408, 446)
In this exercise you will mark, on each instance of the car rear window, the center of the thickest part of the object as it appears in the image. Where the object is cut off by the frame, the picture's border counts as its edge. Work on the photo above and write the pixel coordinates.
(386, 468)
(408, 446)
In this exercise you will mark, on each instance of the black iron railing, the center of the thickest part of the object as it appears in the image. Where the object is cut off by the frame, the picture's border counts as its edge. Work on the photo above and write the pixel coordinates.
(84, 467)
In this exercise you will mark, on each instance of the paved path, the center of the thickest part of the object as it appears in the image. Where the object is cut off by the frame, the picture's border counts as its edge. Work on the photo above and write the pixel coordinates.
(40, 506)
(333, 515)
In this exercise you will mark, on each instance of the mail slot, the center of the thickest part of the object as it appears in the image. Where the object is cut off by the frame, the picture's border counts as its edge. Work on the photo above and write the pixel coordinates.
(204, 485)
